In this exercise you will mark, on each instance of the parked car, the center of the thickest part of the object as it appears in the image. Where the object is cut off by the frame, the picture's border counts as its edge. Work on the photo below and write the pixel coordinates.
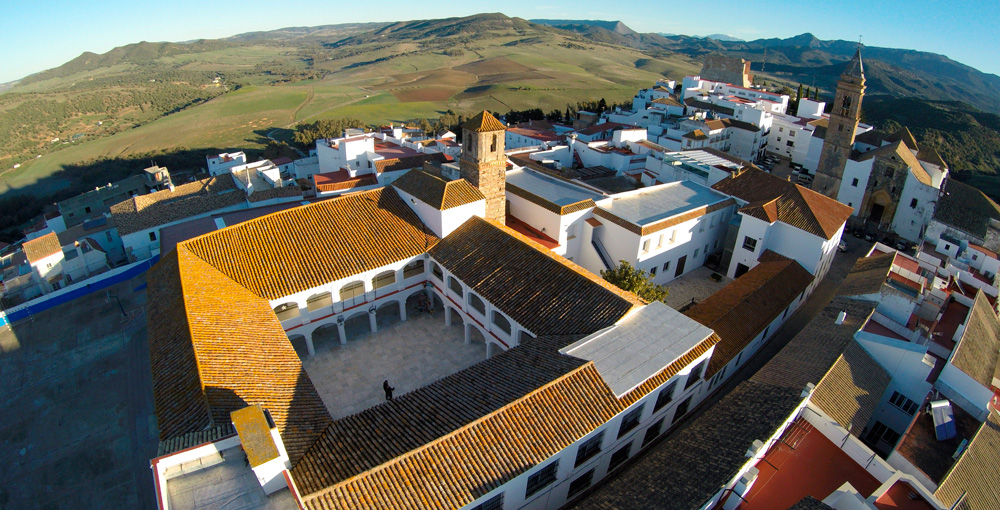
(842, 246)
(869, 237)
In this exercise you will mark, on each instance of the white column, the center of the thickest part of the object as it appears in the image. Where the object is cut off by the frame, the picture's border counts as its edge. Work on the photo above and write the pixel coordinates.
(447, 315)
(343, 333)
(309, 345)
(468, 336)
(371, 322)
(402, 310)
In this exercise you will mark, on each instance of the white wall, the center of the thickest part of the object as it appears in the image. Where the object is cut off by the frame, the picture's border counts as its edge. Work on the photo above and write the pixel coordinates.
(49, 266)
(851, 194)
(755, 229)
(905, 363)
(958, 386)
(896, 305)
(909, 221)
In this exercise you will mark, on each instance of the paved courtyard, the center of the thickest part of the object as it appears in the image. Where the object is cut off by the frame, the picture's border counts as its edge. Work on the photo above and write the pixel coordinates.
(409, 354)
(76, 413)
(696, 285)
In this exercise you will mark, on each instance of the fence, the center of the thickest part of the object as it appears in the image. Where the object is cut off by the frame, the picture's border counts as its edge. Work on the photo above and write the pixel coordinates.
(71, 292)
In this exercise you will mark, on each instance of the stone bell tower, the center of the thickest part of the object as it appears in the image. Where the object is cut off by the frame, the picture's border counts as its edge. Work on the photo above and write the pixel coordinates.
(844, 118)
(483, 162)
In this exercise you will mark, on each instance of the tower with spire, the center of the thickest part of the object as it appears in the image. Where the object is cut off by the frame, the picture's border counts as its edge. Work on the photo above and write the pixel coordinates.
(844, 118)
(483, 162)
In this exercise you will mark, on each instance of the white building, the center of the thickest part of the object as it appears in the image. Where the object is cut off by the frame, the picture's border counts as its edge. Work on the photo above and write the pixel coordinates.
(221, 164)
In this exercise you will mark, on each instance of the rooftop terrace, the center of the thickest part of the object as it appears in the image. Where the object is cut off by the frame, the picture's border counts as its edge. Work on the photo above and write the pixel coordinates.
(554, 190)
(650, 205)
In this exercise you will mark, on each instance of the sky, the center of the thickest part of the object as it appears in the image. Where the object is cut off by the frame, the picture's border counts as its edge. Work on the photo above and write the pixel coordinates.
(41, 34)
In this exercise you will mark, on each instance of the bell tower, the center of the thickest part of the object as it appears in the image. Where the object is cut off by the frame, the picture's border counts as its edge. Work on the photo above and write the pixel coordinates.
(844, 118)
(484, 164)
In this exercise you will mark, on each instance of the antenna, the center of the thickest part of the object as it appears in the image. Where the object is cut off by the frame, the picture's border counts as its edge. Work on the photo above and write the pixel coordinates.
(859, 40)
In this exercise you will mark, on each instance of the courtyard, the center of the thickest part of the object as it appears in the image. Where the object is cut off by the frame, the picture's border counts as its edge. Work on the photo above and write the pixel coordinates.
(693, 288)
(409, 354)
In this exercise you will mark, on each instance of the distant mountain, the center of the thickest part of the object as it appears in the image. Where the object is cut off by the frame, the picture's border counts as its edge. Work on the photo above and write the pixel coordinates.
(724, 37)
(614, 26)
(298, 33)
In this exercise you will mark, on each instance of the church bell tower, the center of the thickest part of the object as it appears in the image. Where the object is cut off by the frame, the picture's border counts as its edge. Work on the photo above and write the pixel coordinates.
(484, 164)
(844, 118)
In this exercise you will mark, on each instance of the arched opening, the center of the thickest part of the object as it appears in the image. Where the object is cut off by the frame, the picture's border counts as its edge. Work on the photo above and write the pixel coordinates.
(286, 311)
(357, 326)
(523, 336)
(492, 349)
(501, 322)
(476, 336)
(455, 286)
(299, 344)
(415, 268)
(387, 314)
(418, 304)
(436, 271)
(383, 280)
(317, 301)
(326, 337)
(353, 293)
(477, 304)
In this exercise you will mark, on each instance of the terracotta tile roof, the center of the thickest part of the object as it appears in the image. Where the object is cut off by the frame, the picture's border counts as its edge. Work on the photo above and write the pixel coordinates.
(773, 199)
(408, 162)
(811, 353)
(975, 472)
(341, 180)
(549, 399)
(669, 101)
(966, 208)
(437, 192)
(931, 156)
(541, 291)
(197, 438)
(41, 247)
(872, 137)
(899, 150)
(904, 135)
(561, 210)
(978, 351)
(484, 122)
(272, 193)
(868, 275)
(350, 234)
(147, 211)
(697, 134)
(810, 503)
(743, 308)
(687, 468)
(607, 126)
(852, 389)
(209, 360)
(704, 105)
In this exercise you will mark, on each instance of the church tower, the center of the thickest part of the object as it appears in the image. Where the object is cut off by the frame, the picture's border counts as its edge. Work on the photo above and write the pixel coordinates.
(484, 164)
(844, 118)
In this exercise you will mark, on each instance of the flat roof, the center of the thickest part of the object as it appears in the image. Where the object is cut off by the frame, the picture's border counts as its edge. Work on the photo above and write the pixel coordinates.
(554, 190)
(652, 204)
(639, 347)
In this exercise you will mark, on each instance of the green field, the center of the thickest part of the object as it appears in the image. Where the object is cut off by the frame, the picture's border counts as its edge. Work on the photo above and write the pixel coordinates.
(421, 84)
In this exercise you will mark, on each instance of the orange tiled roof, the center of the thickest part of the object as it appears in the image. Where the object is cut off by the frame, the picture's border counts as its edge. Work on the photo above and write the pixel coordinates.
(484, 122)
(542, 291)
(898, 149)
(774, 199)
(977, 353)
(41, 247)
(301, 248)
(868, 275)
(741, 310)
(437, 192)
(408, 162)
(147, 211)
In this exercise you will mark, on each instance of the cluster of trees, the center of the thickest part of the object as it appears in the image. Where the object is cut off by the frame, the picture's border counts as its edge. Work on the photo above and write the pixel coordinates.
(626, 277)
(307, 134)
(793, 104)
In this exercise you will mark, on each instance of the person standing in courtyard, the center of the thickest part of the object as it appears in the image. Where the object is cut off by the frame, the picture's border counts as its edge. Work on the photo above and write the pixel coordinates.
(388, 389)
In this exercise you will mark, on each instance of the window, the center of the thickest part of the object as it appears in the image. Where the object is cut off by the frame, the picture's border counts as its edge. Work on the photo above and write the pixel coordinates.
(589, 448)
(152, 236)
(880, 432)
(850, 204)
(790, 143)
(501, 322)
(477, 304)
(493, 146)
(414, 268)
(682, 409)
(902, 403)
(541, 479)
(107, 234)
(86, 210)
(665, 396)
(436, 271)
(352, 290)
(845, 106)
(779, 138)
(791, 132)
(652, 432)
(645, 246)
(384, 279)
(854, 182)
(494, 503)
(697, 251)
(659, 241)
(913, 204)
(666, 266)
(619, 456)
(581, 483)
(695, 375)
(749, 243)
(652, 271)
(630, 421)
(455, 285)
(840, 127)
(781, 130)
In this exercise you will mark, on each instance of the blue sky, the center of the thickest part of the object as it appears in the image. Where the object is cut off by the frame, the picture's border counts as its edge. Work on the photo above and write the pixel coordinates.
(39, 35)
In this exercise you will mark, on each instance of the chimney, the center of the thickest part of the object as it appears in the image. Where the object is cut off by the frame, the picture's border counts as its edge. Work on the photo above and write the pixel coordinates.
(840, 318)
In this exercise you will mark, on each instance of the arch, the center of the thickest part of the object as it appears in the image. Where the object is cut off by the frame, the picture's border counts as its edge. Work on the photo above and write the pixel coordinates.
(319, 300)
(357, 325)
(326, 336)
(501, 322)
(300, 344)
(524, 336)
(492, 349)
(415, 268)
(477, 304)
(384, 279)
(436, 271)
(286, 311)
(353, 293)
(388, 314)
(455, 286)
(476, 334)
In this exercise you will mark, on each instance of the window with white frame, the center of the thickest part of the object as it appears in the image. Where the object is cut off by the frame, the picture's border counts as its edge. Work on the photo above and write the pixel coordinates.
(630, 421)
(541, 478)
(589, 448)
(749, 243)
(902, 403)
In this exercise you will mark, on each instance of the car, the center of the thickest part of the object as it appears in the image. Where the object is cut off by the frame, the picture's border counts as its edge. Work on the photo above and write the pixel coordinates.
(902, 246)
(842, 246)
(857, 233)
(869, 237)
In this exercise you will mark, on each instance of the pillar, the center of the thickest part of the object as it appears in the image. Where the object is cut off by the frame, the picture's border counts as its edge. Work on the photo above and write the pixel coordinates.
(342, 332)
(468, 334)
(402, 310)
(371, 322)
(447, 315)
(309, 345)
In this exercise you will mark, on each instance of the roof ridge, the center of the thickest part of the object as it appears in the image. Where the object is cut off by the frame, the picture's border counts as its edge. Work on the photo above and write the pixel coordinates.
(187, 321)
(400, 458)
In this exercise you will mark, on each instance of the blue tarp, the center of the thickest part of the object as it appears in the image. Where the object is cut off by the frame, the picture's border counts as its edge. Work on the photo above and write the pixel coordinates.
(944, 420)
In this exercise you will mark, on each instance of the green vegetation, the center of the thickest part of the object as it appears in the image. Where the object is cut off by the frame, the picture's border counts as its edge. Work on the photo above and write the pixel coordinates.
(634, 280)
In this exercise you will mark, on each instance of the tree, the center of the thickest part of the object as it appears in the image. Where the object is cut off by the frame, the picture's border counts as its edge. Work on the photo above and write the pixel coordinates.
(798, 95)
(626, 277)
